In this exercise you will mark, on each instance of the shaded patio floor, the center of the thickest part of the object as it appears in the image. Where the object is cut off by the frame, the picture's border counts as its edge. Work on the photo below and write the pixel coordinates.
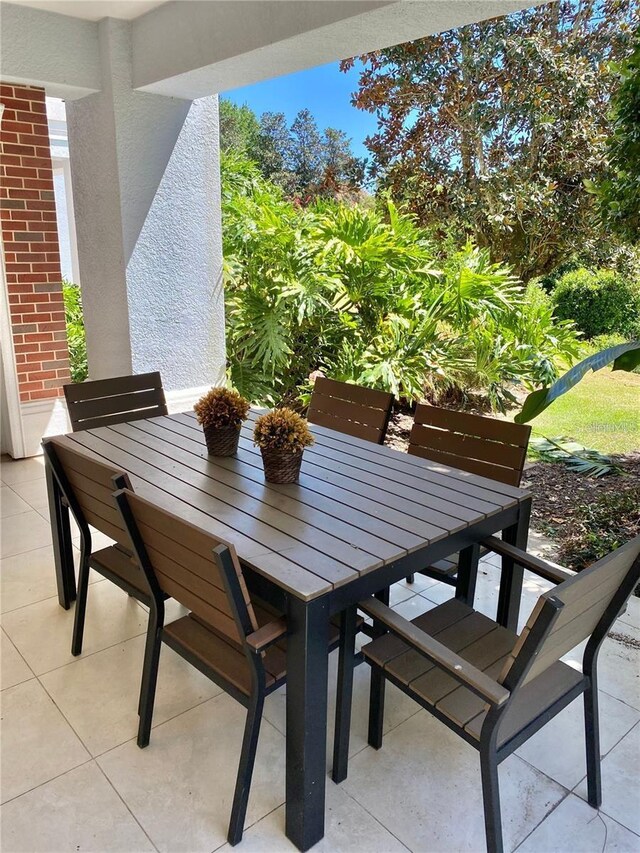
(73, 778)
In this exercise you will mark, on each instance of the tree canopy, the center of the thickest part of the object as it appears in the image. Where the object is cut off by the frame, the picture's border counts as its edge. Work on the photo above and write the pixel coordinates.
(620, 190)
(305, 162)
(490, 130)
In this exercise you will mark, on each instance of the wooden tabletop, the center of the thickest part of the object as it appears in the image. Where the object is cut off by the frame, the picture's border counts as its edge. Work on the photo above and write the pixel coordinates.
(357, 505)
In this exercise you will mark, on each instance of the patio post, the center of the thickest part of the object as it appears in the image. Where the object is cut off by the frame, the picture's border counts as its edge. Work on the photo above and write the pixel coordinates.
(146, 189)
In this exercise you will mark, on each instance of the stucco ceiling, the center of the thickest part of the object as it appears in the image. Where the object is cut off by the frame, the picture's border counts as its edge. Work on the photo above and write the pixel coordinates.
(94, 10)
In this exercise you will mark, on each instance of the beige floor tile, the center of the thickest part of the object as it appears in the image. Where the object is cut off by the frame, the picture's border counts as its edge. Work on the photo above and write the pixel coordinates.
(30, 577)
(620, 794)
(11, 503)
(42, 632)
(77, 811)
(398, 707)
(425, 777)
(13, 669)
(631, 616)
(348, 829)
(21, 470)
(575, 826)
(567, 765)
(24, 532)
(180, 787)
(34, 492)
(99, 694)
(618, 664)
(37, 742)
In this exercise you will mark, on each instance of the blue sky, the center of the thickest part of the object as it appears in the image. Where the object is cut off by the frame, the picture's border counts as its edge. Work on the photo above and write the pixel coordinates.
(324, 90)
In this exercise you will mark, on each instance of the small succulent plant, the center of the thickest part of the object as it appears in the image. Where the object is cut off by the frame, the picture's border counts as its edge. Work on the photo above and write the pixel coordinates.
(282, 429)
(221, 407)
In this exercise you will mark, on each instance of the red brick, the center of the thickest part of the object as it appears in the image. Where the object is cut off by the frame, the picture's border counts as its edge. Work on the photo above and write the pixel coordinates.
(37, 162)
(37, 336)
(13, 183)
(17, 126)
(19, 150)
(46, 394)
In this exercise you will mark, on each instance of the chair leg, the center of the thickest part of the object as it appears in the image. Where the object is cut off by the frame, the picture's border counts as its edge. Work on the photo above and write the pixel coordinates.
(592, 738)
(81, 601)
(149, 679)
(245, 768)
(491, 801)
(344, 694)
(376, 708)
(411, 578)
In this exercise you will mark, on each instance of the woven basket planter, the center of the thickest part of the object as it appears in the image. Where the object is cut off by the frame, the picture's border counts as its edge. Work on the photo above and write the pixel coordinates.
(221, 441)
(281, 466)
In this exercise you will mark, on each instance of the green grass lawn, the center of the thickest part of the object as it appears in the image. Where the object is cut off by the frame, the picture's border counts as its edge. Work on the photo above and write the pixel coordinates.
(602, 412)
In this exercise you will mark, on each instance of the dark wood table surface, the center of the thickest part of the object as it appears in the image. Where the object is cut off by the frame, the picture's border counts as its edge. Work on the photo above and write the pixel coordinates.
(361, 517)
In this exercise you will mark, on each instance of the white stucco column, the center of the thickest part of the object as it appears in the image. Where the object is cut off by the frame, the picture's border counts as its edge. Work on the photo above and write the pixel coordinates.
(146, 190)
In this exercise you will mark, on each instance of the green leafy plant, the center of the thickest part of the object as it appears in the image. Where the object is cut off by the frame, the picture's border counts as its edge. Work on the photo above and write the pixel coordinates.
(580, 459)
(358, 293)
(76, 338)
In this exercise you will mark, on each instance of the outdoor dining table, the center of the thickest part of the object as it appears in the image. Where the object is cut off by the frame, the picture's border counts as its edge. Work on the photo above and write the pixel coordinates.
(361, 517)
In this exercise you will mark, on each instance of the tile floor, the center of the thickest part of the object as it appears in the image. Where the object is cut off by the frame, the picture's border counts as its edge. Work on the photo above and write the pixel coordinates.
(73, 778)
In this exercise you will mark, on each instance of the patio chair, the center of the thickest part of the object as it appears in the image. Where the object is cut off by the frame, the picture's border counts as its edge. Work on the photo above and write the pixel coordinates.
(351, 409)
(486, 446)
(87, 486)
(115, 401)
(229, 636)
(492, 687)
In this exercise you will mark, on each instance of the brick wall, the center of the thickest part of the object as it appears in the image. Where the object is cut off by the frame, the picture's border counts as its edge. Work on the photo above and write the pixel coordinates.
(30, 241)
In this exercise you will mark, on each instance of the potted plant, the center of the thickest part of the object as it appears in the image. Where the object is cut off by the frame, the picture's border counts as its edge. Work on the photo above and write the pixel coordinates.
(221, 412)
(282, 436)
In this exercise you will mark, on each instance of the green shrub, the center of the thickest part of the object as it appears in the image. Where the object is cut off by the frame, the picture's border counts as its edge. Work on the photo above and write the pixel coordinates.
(75, 331)
(362, 295)
(601, 302)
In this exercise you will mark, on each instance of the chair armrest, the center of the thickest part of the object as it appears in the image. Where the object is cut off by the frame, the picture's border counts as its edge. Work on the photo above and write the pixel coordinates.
(267, 635)
(534, 564)
(463, 671)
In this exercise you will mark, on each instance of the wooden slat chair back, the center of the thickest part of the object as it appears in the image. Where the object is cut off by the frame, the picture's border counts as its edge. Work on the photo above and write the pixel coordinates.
(194, 568)
(485, 446)
(112, 401)
(496, 689)
(221, 636)
(351, 409)
(87, 485)
(582, 604)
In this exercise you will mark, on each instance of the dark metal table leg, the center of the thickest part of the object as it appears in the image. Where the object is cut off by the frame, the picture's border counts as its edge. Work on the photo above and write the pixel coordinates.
(344, 694)
(62, 544)
(307, 667)
(468, 560)
(512, 574)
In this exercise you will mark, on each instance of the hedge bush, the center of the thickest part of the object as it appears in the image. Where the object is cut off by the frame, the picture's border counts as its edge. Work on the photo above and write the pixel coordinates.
(601, 302)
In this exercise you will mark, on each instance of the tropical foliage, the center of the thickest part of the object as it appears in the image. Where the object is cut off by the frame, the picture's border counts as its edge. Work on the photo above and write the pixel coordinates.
(357, 293)
(491, 129)
(75, 331)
